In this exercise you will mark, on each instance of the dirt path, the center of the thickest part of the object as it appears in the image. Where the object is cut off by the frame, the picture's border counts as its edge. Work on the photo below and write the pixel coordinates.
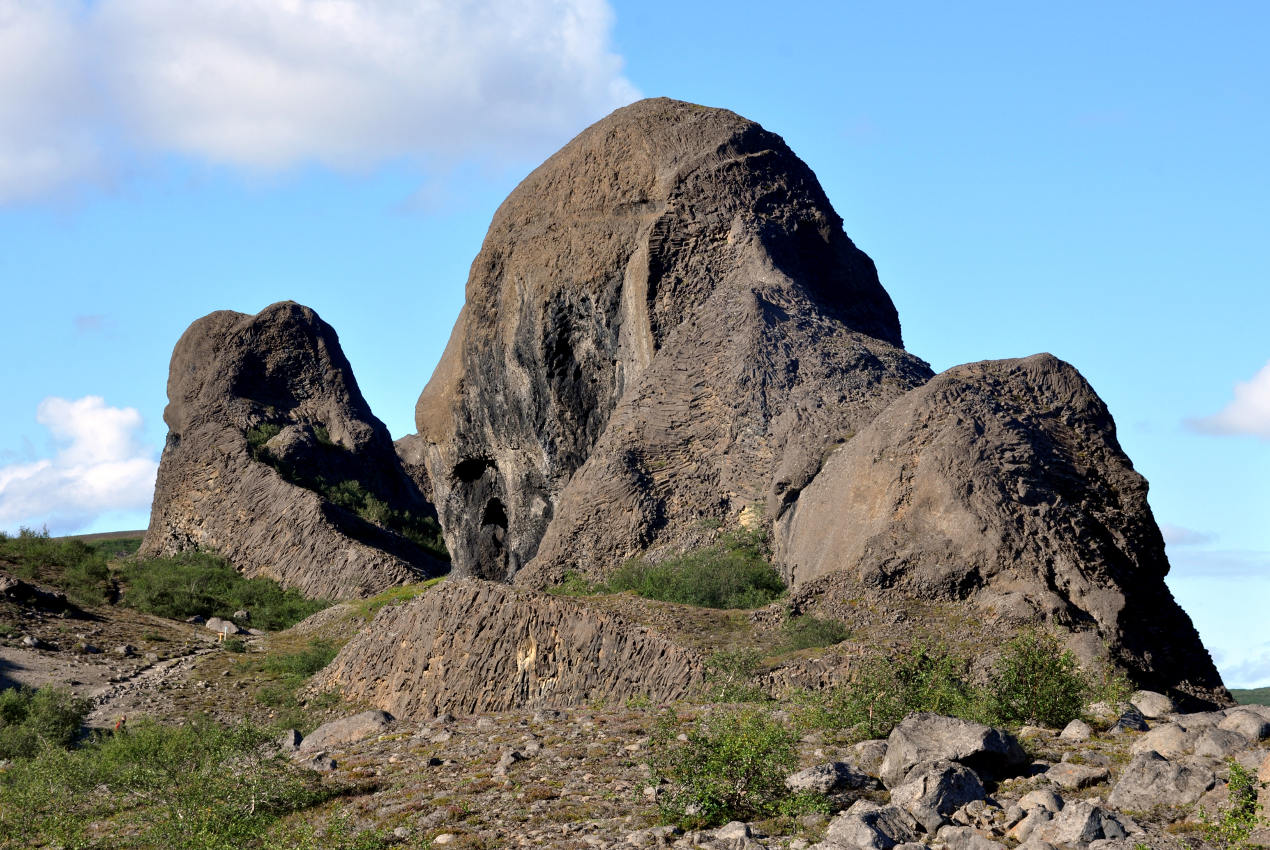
(144, 691)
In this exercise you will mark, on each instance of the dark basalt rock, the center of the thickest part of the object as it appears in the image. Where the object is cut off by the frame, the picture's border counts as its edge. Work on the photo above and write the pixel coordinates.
(1002, 484)
(263, 414)
(666, 323)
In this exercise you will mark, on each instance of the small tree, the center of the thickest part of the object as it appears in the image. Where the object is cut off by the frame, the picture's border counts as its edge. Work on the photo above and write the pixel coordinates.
(1036, 681)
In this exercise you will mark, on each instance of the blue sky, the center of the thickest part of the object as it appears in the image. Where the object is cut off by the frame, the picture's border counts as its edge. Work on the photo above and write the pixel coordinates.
(1087, 179)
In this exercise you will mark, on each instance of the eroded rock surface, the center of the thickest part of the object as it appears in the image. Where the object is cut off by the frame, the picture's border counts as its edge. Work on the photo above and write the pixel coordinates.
(666, 323)
(472, 646)
(281, 377)
(1001, 483)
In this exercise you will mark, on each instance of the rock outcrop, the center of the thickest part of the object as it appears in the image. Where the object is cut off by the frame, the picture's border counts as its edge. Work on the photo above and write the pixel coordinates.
(477, 646)
(1001, 483)
(666, 323)
(274, 461)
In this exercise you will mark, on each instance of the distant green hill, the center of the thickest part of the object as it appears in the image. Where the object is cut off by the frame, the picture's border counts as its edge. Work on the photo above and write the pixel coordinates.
(1260, 696)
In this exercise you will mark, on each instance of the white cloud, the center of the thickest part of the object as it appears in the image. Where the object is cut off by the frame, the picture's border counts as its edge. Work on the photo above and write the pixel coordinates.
(47, 108)
(1248, 413)
(100, 466)
(1176, 535)
(275, 83)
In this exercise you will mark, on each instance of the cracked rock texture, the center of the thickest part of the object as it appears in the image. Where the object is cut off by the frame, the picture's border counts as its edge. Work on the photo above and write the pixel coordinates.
(1002, 484)
(284, 368)
(476, 646)
(666, 323)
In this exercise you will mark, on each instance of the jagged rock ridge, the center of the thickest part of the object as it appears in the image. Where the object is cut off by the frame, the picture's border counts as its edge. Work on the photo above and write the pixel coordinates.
(666, 323)
(1001, 483)
(258, 406)
(476, 646)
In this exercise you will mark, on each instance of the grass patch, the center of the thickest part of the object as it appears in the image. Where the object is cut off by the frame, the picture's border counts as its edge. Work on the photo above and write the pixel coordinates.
(197, 786)
(733, 573)
(202, 583)
(730, 677)
(809, 632)
(73, 566)
(368, 608)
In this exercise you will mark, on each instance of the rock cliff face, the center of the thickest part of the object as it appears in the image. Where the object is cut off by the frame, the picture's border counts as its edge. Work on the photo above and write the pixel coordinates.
(1001, 483)
(666, 323)
(476, 646)
(274, 461)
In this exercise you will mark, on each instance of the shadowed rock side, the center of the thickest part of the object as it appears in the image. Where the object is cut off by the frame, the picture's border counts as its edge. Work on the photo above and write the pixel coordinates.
(1001, 483)
(475, 646)
(666, 322)
(282, 377)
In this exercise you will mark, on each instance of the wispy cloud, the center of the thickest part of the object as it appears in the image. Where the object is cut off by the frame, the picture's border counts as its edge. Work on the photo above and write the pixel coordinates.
(100, 466)
(1176, 535)
(266, 84)
(1221, 563)
(1247, 413)
(1252, 672)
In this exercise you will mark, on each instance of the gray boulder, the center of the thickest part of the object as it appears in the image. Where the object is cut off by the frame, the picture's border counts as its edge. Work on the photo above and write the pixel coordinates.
(1220, 743)
(1072, 777)
(925, 737)
(1080, 823)
(1153, 705)
(1041, 798)
(869, 826)
(831, 778)
(347, 730)
(1152, 780)
(1253, 725)
(223, 627)
(1171, 740)
(966, 838)
(934, 790)
(1076, 731)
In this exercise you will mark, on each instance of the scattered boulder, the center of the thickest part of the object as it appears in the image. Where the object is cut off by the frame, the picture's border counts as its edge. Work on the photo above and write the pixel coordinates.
(1248, 723)
(1171, 740)
(1041, 798)
(687, 338)
(870, 826)
(1219, 743)
(261, 410)
(474, 646)
(934, 790)
(1080, 823)
(1076, 731)
(1129, 721)
(1152, 780)
(289, 741)
(346, 730)
(1000, 484)
(832, 778)
(925, 737)
(223, 627)
(1152, 705)
(1072, 777)
(966, 838)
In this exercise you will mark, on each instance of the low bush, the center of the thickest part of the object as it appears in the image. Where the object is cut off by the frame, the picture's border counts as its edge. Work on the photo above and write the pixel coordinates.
(883, 691)
(733, 573)
(73, 566)
(730, 677)
(807, 632)
(33, 719)
(1036, 681)
(201, 583)
(732, 767)
(1233, 824)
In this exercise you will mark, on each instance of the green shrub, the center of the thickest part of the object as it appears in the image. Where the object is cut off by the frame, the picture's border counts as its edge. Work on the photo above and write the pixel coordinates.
(883, 691)
(733, 573)
(201, 583)
(732, 767)
(237, 645)
(1233, 824)
(33, 719)
(303, 663)
(258, 436)
(575, 584)
(1036, 681)
(730, 677)
(197, 786)
(807, 632)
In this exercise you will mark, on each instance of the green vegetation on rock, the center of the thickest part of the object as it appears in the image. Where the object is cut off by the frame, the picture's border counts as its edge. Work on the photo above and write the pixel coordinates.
(733, 573)
(201, 583)
(76, 567)
(33, 719)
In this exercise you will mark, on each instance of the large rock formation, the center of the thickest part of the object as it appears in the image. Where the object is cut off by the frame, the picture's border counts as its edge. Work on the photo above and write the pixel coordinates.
(666, 323)
(274, 461)
(1002, 484)
(474, 646)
